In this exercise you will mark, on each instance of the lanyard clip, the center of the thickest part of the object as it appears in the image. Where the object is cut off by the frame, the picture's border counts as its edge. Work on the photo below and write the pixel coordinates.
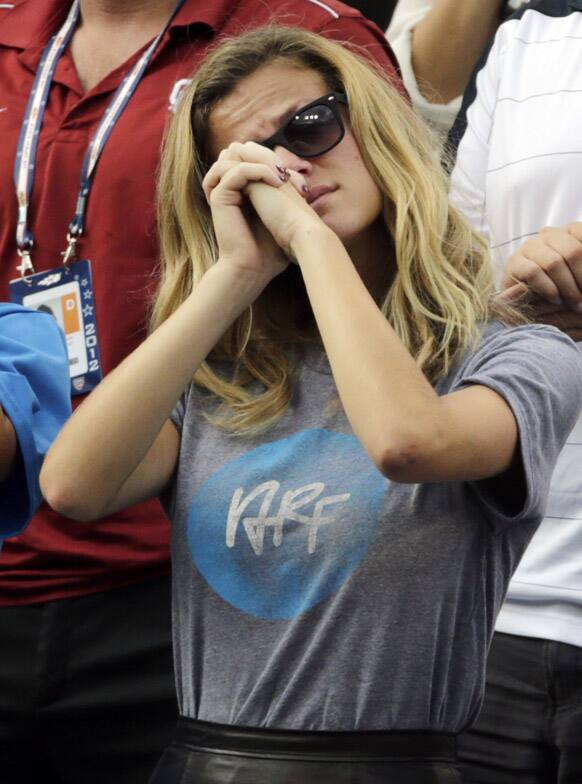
(71, 252)
(26, 266)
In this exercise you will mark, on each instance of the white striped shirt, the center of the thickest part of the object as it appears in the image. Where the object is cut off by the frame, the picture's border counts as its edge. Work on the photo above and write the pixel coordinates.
(519, 169)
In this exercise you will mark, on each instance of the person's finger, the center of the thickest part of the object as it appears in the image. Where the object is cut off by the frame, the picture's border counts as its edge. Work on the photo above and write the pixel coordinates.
(250, 152)
(565, 271)
(531, 273)
(575, 230)
(299, 183)
(519, 293)
(215, 174)
(513, 293)
(221, 167)
(236, 178)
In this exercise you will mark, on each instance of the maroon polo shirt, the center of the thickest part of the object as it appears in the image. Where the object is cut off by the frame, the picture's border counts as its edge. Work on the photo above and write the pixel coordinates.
(56, 557)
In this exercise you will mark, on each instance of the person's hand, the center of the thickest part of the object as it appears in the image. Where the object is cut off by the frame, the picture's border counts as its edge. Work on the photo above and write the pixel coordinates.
(254, 200)
(549, 266)
(547, 269)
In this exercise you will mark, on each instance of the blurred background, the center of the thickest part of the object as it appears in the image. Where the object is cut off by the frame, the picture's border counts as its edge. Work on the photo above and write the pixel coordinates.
(379, 11)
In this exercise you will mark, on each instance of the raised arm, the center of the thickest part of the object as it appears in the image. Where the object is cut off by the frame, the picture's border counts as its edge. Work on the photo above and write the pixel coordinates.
(442, 71)
(410, 433)
(120, 448)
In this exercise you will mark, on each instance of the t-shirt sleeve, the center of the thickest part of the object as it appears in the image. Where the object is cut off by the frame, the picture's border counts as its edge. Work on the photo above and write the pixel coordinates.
(407, 15)
(35, 396)
(168, 496)
(538, 371)
(179, 410)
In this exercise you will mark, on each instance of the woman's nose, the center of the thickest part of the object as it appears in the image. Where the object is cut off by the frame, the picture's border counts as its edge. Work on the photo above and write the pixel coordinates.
(292, 161)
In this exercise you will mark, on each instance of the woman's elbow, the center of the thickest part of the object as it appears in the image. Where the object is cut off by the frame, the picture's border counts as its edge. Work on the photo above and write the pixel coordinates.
(417, 458)
(67, 497)
(400, 463)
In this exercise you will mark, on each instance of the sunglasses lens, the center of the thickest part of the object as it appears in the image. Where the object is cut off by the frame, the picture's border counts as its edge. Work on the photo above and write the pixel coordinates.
(313, 131)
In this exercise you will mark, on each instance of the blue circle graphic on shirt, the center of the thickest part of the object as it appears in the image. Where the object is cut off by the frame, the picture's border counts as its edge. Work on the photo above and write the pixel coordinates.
(281, 528)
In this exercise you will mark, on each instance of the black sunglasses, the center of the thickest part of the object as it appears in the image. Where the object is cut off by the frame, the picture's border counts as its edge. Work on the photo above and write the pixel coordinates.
(313, 129)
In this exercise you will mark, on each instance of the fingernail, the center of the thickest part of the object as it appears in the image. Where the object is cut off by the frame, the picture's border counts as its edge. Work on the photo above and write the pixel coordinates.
(579, 307)
(556, 301)
(284, 173)
(305, 188)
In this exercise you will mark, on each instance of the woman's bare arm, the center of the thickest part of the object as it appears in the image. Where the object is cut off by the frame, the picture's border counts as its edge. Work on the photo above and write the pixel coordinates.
(411, 433)
(119, 447)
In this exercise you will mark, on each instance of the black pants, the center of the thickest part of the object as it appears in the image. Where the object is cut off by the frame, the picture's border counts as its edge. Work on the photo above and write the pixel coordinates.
(204, 753)
(87, 692)
(530, 727)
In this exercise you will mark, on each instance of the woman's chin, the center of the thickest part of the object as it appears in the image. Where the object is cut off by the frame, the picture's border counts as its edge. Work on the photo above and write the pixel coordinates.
(339, 228)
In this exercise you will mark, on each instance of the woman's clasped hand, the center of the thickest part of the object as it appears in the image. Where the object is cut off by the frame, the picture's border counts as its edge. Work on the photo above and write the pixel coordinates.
(249, 172)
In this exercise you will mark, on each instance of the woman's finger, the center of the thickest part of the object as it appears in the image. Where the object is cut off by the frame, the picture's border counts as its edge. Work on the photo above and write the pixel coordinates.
(252, 152)
(234, 180)
(249, 152)
(221, 167)
(215, 174)
(299, 182)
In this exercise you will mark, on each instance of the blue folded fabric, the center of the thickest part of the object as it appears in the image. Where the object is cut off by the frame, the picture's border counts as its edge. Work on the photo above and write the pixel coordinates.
(35, 395)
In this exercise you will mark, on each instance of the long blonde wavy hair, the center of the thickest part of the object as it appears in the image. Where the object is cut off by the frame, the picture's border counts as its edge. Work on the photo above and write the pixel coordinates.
(443, 287)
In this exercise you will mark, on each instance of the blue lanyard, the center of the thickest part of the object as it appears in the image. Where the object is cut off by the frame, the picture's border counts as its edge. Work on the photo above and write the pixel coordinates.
(25, 163)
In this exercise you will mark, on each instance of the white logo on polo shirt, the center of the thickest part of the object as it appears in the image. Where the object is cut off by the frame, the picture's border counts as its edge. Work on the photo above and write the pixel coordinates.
(177, 93)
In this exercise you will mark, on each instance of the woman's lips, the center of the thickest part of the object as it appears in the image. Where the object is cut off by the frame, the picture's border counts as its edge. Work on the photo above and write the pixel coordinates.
(318, 191)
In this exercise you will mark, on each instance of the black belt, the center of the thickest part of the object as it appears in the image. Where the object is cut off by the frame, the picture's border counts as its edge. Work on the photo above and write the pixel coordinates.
(368, 746)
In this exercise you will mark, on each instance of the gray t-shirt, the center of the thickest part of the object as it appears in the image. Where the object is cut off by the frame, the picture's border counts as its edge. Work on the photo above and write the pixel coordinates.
(312, 593)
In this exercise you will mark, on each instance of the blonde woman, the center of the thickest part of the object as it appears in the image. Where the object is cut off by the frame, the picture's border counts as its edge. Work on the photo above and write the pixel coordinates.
(352, 442)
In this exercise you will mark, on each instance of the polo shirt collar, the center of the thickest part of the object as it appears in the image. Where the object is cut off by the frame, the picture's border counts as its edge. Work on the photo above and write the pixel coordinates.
(209, 12)
(32, 22)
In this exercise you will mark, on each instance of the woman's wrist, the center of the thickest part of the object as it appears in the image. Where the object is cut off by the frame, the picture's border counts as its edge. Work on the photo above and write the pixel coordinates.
(241, 286)
(314, 239)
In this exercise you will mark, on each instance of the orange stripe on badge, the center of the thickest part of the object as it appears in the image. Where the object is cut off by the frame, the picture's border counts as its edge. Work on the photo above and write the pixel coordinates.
(70, 313)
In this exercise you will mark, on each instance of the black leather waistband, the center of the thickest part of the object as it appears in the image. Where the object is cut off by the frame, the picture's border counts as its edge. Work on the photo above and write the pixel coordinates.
(284, 744)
